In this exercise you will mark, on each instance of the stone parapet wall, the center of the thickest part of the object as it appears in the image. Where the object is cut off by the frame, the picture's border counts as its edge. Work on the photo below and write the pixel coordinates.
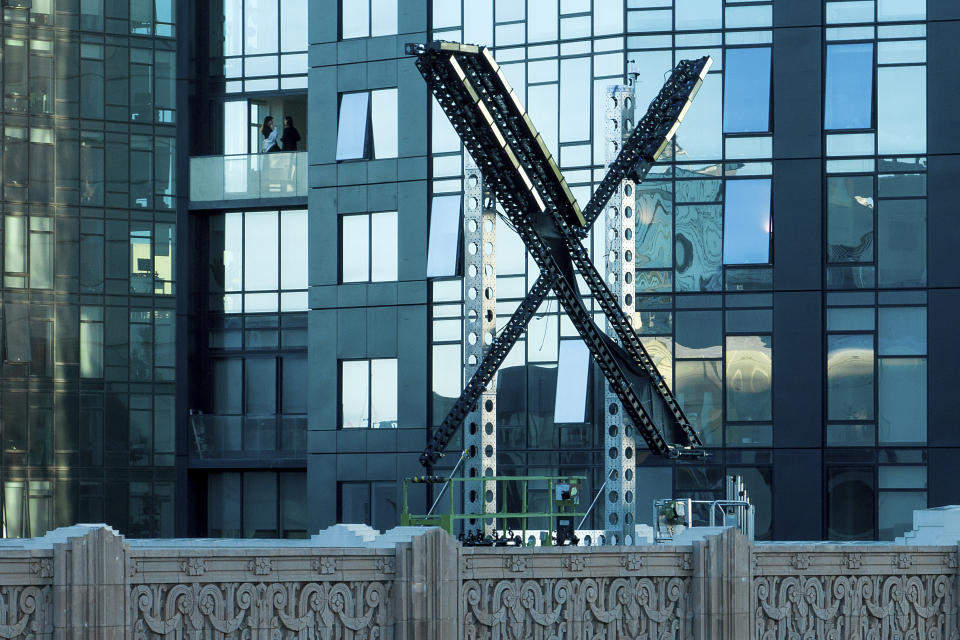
(89, 582)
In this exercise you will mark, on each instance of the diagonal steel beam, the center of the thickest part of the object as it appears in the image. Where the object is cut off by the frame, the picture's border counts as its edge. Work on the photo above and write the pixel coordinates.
(495, 128)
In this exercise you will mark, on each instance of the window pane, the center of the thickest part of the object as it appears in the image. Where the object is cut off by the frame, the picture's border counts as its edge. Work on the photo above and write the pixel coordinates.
(850, 319)
(352, 130)
(573, 370)
(293, 24)
(293, 505)
(749, 374)
(232, 252)
(850, 377)
(355, 248)
(850, 219)
(699, 14)
(17, 339)
(444, 244)
(746, 230)
(383, 115)
(897, 10)
(260, 387)
(849, 92)
(699, 392)
(699, 334)
(354, 393)
(850, 504)
(15, 244)
(383, 246)
(383, 14)
(901, 109)
(700, 136)
(896, 511)
(91, 342)
(902, 243)
(903, 400)
(294, 384)
(293, 249)
(699, 242)
(446, 369)
(383, 393)
(385, 509)
(41, 258)
(746, 91)
(654, 245)
(260, 249)
(260, 504)
(355, 19)
(227, 392)
(903, 331)
(234, 123)
(261, 26)
(355, 502)
(224, 502)
(575, 114)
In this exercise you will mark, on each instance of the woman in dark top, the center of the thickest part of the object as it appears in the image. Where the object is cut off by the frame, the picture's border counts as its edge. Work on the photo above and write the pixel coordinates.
(290, 135)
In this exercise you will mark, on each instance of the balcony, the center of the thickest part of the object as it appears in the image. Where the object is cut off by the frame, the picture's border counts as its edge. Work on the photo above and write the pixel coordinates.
(215, 180)
(248, 438)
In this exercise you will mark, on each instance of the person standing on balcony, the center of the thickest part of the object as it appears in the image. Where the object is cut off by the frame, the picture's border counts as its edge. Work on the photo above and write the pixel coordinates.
(269, 133)
(290, 135)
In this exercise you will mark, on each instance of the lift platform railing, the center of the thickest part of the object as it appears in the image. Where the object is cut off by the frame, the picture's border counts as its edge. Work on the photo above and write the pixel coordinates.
(563, 497)
(500, 136)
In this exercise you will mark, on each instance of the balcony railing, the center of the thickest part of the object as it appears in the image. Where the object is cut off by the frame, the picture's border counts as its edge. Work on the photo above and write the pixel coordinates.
(248, 177)
(247, 437)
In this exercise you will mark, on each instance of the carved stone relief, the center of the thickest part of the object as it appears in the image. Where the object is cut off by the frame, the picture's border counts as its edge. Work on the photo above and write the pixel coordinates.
(518, 608)
(321, 610)
(875, 607)
(25, 612)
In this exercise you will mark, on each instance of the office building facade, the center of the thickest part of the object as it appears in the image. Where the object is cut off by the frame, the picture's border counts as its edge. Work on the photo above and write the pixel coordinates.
(200, 339)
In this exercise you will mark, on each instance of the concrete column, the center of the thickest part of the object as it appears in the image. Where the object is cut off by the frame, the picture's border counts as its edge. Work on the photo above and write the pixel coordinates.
(722, 581)
(89, 583)
(427, 587)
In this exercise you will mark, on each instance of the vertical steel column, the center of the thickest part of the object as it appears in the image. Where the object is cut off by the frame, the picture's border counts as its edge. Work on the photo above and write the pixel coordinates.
(479, 330)
(619, 440)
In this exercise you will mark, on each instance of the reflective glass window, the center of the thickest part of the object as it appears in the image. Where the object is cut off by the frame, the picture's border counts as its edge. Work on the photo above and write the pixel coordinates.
(368, 393)
(749, 362)
(354, 393)
(902, 109)
(850, 209)
(698, 14)
(895, 511)
(698, 247)
(261, 245)
(901, 243)
(850, 378)
(383, 393)
(355, 248)
(902, 401)
(383, 116)
(903, 331)
(700, 137)
(901, 10)
(259, 504)
(91, 342)
(352, 130)
(573, 369)
(699, 334)
(293, 253)
(443, 248)
(851, 503)
(383, 246)
(848, 103)
(746, 223)
(746, 91)
(699, 390)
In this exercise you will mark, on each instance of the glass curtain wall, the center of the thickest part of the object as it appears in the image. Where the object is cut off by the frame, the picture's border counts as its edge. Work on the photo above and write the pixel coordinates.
(89, 246)
(704, 277)
(875, 270)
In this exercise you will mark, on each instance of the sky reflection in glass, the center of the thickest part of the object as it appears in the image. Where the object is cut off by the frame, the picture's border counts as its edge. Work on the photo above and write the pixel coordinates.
(746, 95)
(848, 103)
(746, 226)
